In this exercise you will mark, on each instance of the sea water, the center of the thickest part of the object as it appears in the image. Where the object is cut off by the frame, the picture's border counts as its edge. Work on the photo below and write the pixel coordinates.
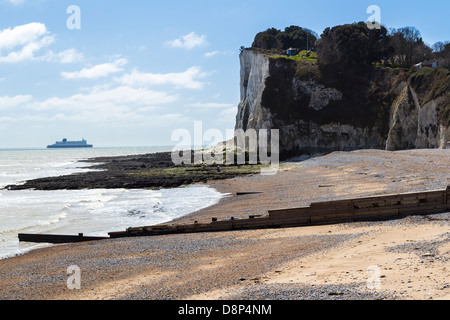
(92, 212)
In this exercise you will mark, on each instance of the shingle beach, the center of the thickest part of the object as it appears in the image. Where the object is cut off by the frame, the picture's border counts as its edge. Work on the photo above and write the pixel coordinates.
(411, 255)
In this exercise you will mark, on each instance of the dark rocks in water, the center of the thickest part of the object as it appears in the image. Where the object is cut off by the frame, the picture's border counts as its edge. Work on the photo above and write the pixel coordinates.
(151, 171)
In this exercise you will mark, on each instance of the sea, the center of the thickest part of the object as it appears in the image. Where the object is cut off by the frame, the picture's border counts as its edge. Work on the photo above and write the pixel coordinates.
(92, 212)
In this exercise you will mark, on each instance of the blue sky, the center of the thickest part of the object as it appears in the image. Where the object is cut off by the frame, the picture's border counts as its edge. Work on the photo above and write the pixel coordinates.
(138, 70)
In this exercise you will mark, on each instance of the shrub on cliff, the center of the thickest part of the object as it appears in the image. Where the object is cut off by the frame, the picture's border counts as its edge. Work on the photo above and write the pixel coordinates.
(432, 83)
(408, 47)
(352, 45)
(291, 37)
(442, 53)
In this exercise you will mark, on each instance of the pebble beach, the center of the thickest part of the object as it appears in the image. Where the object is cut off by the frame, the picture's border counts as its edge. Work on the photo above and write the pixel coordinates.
(333, 262)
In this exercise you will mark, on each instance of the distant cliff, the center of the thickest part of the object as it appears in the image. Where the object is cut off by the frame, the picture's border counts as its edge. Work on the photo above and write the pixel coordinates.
(317, 111)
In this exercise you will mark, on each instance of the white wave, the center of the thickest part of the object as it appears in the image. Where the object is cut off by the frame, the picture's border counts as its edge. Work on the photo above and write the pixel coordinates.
(92, 212)
(95, 212)
(53, 220)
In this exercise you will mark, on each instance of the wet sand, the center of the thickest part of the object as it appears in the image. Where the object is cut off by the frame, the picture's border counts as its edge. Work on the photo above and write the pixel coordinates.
(411, 255)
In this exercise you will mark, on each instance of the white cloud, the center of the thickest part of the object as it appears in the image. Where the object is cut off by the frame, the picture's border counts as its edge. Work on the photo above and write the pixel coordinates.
(66, 56)
(7, 102)
(211, 54)
(21, 35)
(227, 116)
(189, 41)
(98, 71)
(211, 105)
(106, 99)
(24, 42)
(98, 97)
(217, 52)
(15, 2)
(100, 106)
(187, 79)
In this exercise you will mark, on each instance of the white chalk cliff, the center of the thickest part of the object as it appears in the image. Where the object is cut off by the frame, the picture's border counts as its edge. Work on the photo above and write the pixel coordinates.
(313, 116)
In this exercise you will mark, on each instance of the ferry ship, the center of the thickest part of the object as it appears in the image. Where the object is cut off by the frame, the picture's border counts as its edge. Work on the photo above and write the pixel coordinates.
(70, 144)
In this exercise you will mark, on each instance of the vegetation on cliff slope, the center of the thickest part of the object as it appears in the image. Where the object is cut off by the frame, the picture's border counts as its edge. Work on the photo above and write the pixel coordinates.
(431, 84)
(292, 37)
(355, 43)
(302, 56)
(361, 63)
(351, 45)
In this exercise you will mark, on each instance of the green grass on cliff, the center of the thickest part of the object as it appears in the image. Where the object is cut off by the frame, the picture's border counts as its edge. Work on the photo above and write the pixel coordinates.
(301, 56)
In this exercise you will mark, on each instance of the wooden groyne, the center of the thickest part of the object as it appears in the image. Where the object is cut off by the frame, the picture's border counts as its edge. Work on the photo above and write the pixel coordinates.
(386, 207)
(321, 213)
(56, 239)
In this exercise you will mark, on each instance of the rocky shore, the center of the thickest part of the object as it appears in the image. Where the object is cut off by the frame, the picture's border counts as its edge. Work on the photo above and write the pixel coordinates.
(332, 262)
(149, 171)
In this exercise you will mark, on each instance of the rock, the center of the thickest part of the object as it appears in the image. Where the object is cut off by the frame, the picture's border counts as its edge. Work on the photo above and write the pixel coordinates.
(385, 109)
(152, 171)
(416, 126)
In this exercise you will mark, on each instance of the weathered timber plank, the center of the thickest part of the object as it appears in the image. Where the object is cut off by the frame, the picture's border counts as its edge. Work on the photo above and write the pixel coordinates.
(292, 219)
(330, 216)
(292, 210)
(56, 239)
(382, 212)
(307, 213)
(423, 209)
(330, 212)
(338, 203)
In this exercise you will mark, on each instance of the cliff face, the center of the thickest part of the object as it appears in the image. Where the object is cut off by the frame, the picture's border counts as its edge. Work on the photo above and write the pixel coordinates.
(413, 125)
(319, 112)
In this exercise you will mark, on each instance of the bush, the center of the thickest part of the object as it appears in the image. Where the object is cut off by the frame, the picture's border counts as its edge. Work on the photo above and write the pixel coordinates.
(291, 37)
(352, 44)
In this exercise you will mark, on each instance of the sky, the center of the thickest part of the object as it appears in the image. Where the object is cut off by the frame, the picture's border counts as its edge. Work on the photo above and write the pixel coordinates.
(130, 73)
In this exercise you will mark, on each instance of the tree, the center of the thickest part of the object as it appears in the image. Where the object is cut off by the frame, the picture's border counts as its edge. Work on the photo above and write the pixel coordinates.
(408, 46)
(398, 45)
(439, 47)
(293, 36)
(441, 51)
(297, 37)
(421, 52)
(352, 44)
(267, 39)
(412, 38)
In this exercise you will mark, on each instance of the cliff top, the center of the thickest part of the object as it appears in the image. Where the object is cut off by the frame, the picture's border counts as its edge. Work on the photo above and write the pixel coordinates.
(355, 44)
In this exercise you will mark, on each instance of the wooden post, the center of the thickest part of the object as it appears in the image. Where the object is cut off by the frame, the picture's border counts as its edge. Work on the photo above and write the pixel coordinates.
(447, 196)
